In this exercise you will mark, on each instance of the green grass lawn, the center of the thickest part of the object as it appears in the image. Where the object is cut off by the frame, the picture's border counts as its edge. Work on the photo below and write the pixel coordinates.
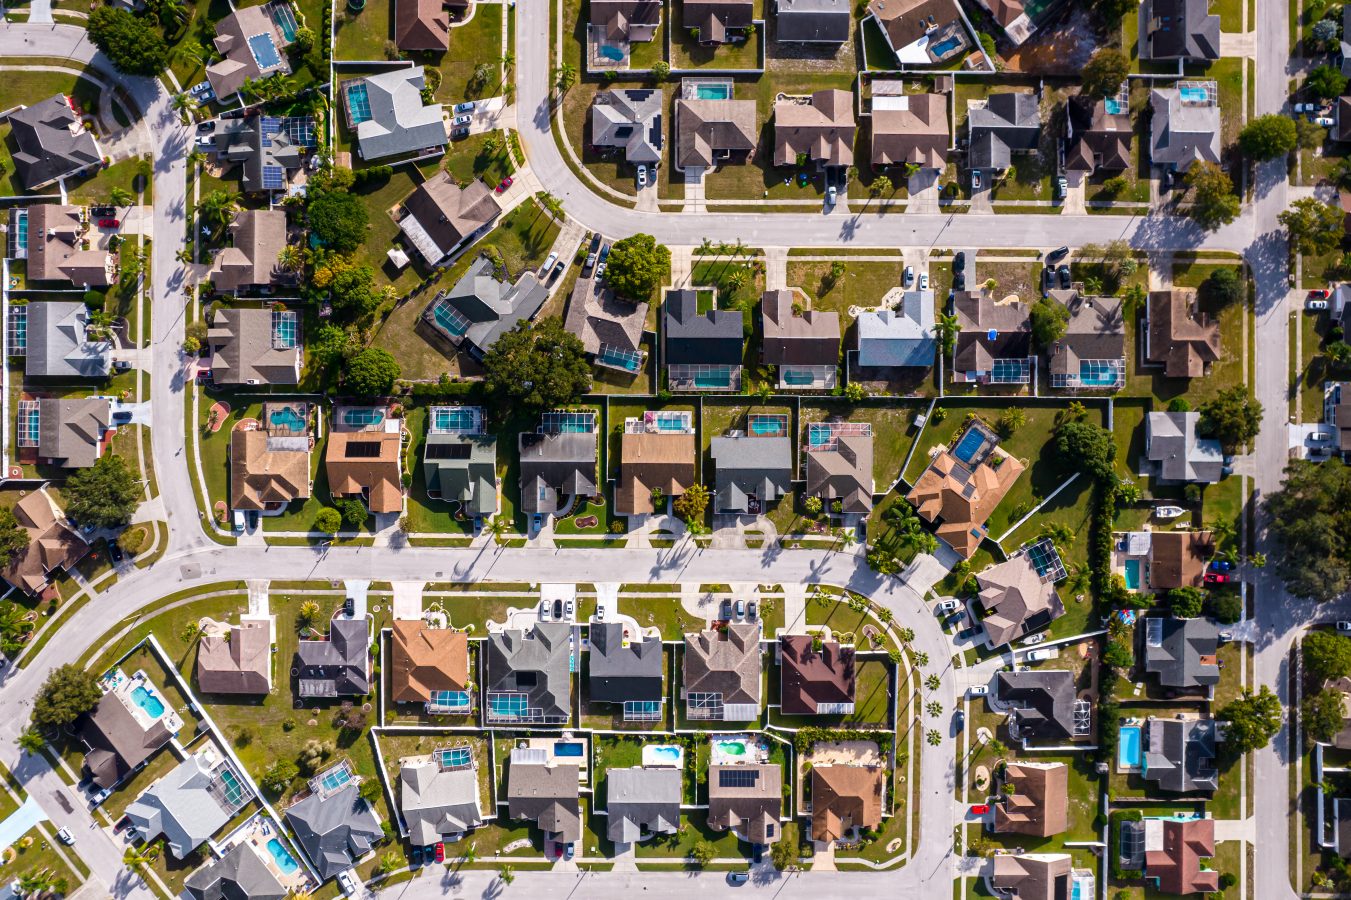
(98, 187)
(471, 158)
(872, 697)
(688, 53)
(863, 284)
(34, 854)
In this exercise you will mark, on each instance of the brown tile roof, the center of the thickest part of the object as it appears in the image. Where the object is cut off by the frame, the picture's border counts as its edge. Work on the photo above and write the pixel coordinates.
(267, 471)
(708, 129)
(366, 461)
(812, 678)
(52, 545)
(259, 236)
(751, 809)
(1178, 558)
(906, 21)
(844, 473)
(845, 797)
(918, 134)
(421, 25)
(1005, 12)
(1033, 876)
(725, 662)
(620, 20)
(811, 338)
(1181, 339)
(240, 663)
(1038, 805)
(441, 214)
(714, 17)
(1016, 600)
(55, 234)
(1177, 865)
(823, 129)
(940, 495)
(425, 660)
(652, 460)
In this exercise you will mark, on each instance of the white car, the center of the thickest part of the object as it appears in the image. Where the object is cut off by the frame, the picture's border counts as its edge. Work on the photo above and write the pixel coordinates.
(830, 195)
(1305, 107)
(979, 690)
(1325, 121)
(1315, 305)
(600, 612)
(924, 282)
(64, 836)
(949, 605)
(461, 120)
(549, 263)
(348, 883)
(544, 610)
(975, 179)
(568, 611)
(1034, 640)
(1344, 627)
(1039, 655)
(908, 276)
(642, 176)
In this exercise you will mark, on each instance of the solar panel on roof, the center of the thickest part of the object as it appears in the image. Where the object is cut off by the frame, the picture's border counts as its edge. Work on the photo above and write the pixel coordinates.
(274, 178)
(447, 451)
(363, 449)
(738, 778)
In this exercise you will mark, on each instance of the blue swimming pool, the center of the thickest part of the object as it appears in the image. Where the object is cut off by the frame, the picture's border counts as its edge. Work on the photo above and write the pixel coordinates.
(568, 748)
(265, 51)
(286, 418)
(1133, 574)
(148, 701)
(1114, 107)
(713, 92)
(946, 46)
(284, 860)
(767, 426)
(1193, 94)
(969, 445)
(665, 753)
(611, 53)
(1128, 747)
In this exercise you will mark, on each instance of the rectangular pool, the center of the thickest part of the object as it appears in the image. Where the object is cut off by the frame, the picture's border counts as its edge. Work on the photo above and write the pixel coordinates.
(1128, 747)
(265, 51)
(569, 749)
(713, 92)
(1133, 574)
(969, 445)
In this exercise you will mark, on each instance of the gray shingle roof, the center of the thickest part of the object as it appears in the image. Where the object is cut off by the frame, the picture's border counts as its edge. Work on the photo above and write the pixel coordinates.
(492, 307)
(1182, 133)
(1180, 754)
(337, 667)
(240, 64)
(1184, 654)
(638, 799)
(117, 743)
(69, 431)
(243, 349)
(399, 121)
(619, 672)
(629, 119)
(901, 337)
(844, 473)
(442, 215)
(181, 805)
(334, 830)
(240, 874)
(1171, 441)
(1043, 701)
(1179, 29)
(555, 467)
(244, 141)
(712, 338)
(533, 663)
(747, 465)
(463, 468)
(436, 803)
(825, 21)
(51, 143)
(1009, 123)
(546, 794)
(58, 346)
(726, 663)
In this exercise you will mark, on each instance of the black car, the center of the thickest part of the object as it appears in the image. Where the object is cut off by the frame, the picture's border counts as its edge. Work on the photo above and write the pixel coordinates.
(115, 553)
(460, 133)
(206, 127)
(1064, 273)
(1057, 255)
(558, 609)
(959, 261)
(604, 252)
(1047, 280)
(102, 212)
(234, 114)
(122, 417)
(349, 607)
(959, 281)
(595, 243)
(559, 268)
(967, 633)
(954, 620)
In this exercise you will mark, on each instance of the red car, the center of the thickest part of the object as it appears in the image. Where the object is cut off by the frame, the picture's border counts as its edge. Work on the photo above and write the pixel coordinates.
(109, 223)
(440, 852)
(504, 184)
(1217, 578)
(1322, 294)
(980, 809)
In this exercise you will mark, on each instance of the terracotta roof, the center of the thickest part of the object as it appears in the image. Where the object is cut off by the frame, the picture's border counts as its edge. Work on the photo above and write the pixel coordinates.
(1038, 805)
(845, 797)
(52, 544)
(425, 660)
(240, 663)
(1032, 876)
(652, 460)
(266, 470)
(823, 129)
(1178, 558)
(361, 461)
(1177, 865)
(941, 496)
(812, 678)
(1181, 339)
(917, 134)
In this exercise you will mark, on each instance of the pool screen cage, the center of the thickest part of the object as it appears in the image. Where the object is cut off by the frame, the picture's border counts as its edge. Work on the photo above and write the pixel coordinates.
(285, 330)
(1093, 373)
(1011, 371)
(767, 425)
(1083, 717)
(1045, 559)
(229, 789)
(624, 360)
(18, 330)
(1198, 93)
(642, 710)
(332, 779)
(568, 422)
(826, 435)
(457, 757)
(703, 705)
(30, 423)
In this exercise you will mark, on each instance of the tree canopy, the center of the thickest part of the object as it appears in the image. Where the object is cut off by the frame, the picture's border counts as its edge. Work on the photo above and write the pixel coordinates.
(1321, 714)
(68, 692)
(1105, 72)
(1214, 202)
(371, 373)
(105, 495)
(1327, 82)
(1049, 318)
(636, 266)
(1083, 445)
(1326, 654)
(537, 365)
(1315, 227)
(1222, 287)
(132, 43)
(13, 537)
(338, 218)
(1233, 417)
(1268, 136)
(353, 291)
(1253, 720)
(1311, 520)
(1186, 602)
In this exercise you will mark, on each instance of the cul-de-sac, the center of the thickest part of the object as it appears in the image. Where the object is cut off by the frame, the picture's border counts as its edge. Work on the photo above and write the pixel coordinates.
(600, 449)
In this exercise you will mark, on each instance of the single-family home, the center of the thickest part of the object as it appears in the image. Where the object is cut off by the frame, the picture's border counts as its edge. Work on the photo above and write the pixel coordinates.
(630, 120)
(1183, 30)
(545, 792)
(626, 21)
(1342, 739)
(389, 117)
(962, 486)
(429, 666)
(1178, 336)
(481, 307)
(51, 143)
(908, 129)
(920, 33)
(722, 673)
(746, 798)
(803, 345)
(251, 262)
(236, 661)
(816, 677)
(641, 802)
(56, 235)
(255, 346)
(994, 345)
(898, 338)
(71, 432)
(1184, 126)
(846, 799)
(711, 132)
(267, 149)
(241, 874)
(1178, 558)
(336, 829)
(1179, 754)
(1098, 135)
(462, 469)
(840, 471)
(528, 675)
(366, 466)
(818, 128)
(556, 469)
(62, 343)
(1177, 454)
(251, 44)
(425, 24)
(1041, 706)
(627, 670)
(1015, 600)
(269, 466)
(717, 21)
(1008, 124)
(117, 741)
(1032, 798)
(440, 217)
(191, 803)
(656, 462)
(702, 350)
(439, 795)
(1182, 652)
(812, 22)
(1171, 852)
(1032, 876)
(750, 472)
(53, 546)
(1091, 354)
(611, 329)
(338, 665)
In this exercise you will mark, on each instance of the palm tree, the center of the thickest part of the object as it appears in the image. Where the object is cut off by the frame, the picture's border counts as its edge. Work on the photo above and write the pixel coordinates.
(190, 633)
(499, 528)
(471, 854)
(134, 857)
(290, 258)
(185, 106)
(565, 76)
(309, 612)
(31, 742)
(508, 60)
(120, 196)
(492, 144)
(35, 883)
(506, 874)
(947, 327)
(172, 14)
(219, 207)
(185, 256)
(196, 158)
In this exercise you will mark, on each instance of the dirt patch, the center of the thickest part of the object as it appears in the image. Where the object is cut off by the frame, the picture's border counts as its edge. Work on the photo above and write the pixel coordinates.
(1062, 48)
(216, 416)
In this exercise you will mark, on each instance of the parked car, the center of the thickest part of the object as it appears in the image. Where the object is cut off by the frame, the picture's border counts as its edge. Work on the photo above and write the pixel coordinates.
(1325, 121)
(440, 851)
(738, 877)
(1065, 281)
(590, 261)
(1217, 578)
(1035, 639)
(924, 282)
(740, 609)
(1320, 294)
(1062, 187)
(959, 719)
(599, 615)
(642, 176)
(600, 270)
(1057, 255)
(206, 140)
(415, 857)
(954, 620)
(757, 853)
(461, 120)
(568, 851)
(544, 610)
(908, 276)
(459, 134)
(605, 253)
(465, 107)
(122, 417)
(99, 796)
(980, 809)
(234, 114)
(504, 184)
(1344, 626)
(1221, 565)
(1047, 280)
(949, 605)
(347, 883)
(967, 633)
(200, 89)
(752, 610)
(975, 179)
(979, 690)
(207, 127)
(558, 610)
(549, 263)
(559, 268)
(64, 835)
(115, 552)
(569, 609)
(1306, 107)
(1315, 305)
(830, 195)
(959, 281)
(109, 223)
(1039, 655)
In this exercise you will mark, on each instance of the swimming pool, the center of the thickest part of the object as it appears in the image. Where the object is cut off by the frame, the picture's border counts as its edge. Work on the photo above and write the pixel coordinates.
(662, 755)
(1133, 574)
(611, 53)
(1128, 747)
(713, 91)
(286, 418)
(148, 701)
(944, 47)
(265, 51)
(730, 748)
(285, 19)
(568, 749)
(1194, 94)
(455, 418)
(1115, 107)
(969, 445)
(284, 860)
(619, 358)
(359, 418)
(767, 426)
(358, 103)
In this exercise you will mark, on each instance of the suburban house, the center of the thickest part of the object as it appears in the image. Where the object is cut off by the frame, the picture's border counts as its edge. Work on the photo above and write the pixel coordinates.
(750, 472)
(1163, 560)
(440, 217)
(240, 874)
(117, 741)
(1041, 706)
(257, 239)
(804, 346)
(237, 661)
(1179, 754)
(840, 470)
(1091, 354)
(1034, 876)
(255, 346)
(71, 432)
(713, 132)
(337, 828)
(627, 671)
(816, 677)
(56, 236)
(1177, 453)
(388, 116)
(251, 44)
(1337, 415)
(818, 128)
(908, 129)
(430, 667)
(1032, 799)
(544, 791)
(461, 469)
(630, 120)
(1185, 125)
(425, 24)
(962, 486)
(746, 798)
(1342, 739)
(1170, 851)
(53, 546)
(898, 338)
(920, 33)
(627, 21)
(656, 462)
(1178, 336)
(556, 469)
(845, 800)
(1008, 124)
(60, 344)
(267, 149)
(191, 803)
(812, 22)
(51, 143)
(994, 345)
(1015, 601)
(722, 673)
(1341, 115)
(529, 678)
(269, 466)
(365, 465)
(438, 795)
(480, 308)
(1183, 30)
(702, 350)
(717, 21)
(336, 666)
(641, 802)
(611, 329)
(1098, 135)
(1181, 652)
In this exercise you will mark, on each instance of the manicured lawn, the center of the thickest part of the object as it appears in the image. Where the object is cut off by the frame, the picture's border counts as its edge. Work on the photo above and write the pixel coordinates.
(872, 697)
(470, 159)
(381, 197)
(34, 855)
(1083, 790)
(863, 284)
(893, 433)
(665, 613)
(472, 44)
(98, 187)
(395, 746)
(688, 53)
(362, 35)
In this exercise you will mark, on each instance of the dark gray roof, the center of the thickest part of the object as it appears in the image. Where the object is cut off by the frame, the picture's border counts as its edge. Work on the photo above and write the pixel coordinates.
(631, 120)
(1182, 651)
(335, 830)
(620, 673)
(69, 431)
(713, 338)
(463, 469)
(1182, 131)
(1180, 754)
(826, 21)
(243, 141)
(746, 465)
(546, 794)
(1096, 330)
(638, 799)
(337, 667)
(555, 466)
(1009, 123)
(534, 663)
(1043, 701)
(492, 307)
(51, 142)
(244, 349)
(117, 743)
(58, 346)
(436, 803)
(240, 874)
(1179, 29)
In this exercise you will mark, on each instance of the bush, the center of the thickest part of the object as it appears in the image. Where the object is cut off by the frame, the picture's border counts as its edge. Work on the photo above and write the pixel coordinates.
(1226, 606)
(371, 373)
(1186, 602)
(68, 692)
(278, 778)
(131, 43)
(352, 513)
